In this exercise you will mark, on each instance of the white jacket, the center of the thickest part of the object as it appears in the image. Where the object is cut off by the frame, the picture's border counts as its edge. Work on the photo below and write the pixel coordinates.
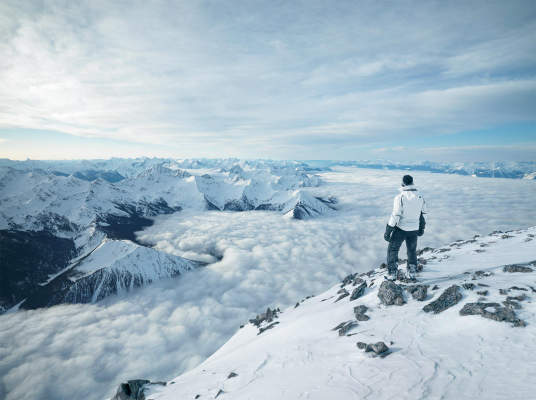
(407, 209)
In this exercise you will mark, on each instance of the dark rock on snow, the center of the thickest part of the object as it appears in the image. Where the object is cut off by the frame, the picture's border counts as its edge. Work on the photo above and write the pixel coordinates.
(448, 298)
(232, 375)
(521, 297)
(469, 286)
(358, 291)
(342, 296)
(500, 314)
(134, 389)
(359, 312)
(418, 292)
(261, 330)
(517, 268)
(391, 294)
(483, 293)
(519, 288)
(512, 304)
(378, 348)
(347, 328)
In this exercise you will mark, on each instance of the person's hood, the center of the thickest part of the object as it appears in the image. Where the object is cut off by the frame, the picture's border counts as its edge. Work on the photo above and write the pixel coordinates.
(409, 188)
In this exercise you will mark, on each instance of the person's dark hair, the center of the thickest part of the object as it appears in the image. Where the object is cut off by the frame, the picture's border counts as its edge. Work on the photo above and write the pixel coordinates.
(407, 180)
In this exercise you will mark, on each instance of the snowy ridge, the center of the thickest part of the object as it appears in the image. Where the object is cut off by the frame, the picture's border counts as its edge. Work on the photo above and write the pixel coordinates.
(309, 351)
(92, 202)
(37, 199)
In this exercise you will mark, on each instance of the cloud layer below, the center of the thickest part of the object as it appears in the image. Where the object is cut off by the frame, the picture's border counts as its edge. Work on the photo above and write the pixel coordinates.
(260, 259)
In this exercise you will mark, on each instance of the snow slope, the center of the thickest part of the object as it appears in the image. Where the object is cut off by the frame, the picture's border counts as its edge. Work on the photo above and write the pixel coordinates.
(434, 356)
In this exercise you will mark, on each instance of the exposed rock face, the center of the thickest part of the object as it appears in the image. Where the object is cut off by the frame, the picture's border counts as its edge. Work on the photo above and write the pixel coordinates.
(134, 389)
(391, 294)
(469, 286)
(521, 297)
(448, 298)
(378, 349)
(357, 281)
(359, 312)
(261, 330)
(348, 279)
(512, 304)
(232, 375)
(268, 316)
(347, 328)
(518, 288)
(500, 314)
(518, 268)
(483, 293)
(342, 296)
(481, 274)
(358, 291)
(418, 292)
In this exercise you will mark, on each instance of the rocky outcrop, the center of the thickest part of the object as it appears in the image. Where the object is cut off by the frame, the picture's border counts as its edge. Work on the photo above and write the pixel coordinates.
(391, 294)
(358, 291)
(512, 304)
(261, 330)
(520, 297)
(268, 316)
(448, 298)
(359, 312)
(345, 327)
(468, 286)
(377, 349)
(518, 267)
(418, 292)
(500, 313)
(344, 294)
(134, 389)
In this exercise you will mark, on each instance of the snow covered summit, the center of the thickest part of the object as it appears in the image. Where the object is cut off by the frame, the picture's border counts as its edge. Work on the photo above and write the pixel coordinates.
(464, 330)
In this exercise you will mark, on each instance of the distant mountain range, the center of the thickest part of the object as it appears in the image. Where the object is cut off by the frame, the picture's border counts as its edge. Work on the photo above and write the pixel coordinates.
(499, 169)
(67, 228)
(117, 169)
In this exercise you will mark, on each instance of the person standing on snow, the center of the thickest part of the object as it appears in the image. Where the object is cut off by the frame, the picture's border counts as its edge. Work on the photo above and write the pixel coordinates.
(406, 223)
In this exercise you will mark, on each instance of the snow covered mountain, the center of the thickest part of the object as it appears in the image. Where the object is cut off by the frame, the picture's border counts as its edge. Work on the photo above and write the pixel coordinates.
(81, 214)
(463, 329)
(499, 169)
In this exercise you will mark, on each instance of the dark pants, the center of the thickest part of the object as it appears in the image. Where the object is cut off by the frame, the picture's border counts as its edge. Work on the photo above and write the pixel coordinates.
(397, 238)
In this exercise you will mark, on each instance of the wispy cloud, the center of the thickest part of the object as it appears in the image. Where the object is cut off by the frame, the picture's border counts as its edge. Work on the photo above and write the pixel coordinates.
(521, 152)
(282, 76)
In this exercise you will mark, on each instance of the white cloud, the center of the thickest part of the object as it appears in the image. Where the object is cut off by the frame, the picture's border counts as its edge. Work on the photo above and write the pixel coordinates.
(519, 152)
(279, 78)
(163, 329)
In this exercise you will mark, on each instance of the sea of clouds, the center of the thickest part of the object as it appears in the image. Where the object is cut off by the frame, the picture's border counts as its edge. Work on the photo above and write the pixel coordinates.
(259, 260)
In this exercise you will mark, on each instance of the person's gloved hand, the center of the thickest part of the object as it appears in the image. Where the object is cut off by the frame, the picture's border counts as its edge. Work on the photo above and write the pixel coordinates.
(422, 224)
(388, 231)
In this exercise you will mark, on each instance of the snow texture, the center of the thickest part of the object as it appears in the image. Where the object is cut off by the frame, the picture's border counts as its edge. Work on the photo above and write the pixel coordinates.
(448, 356)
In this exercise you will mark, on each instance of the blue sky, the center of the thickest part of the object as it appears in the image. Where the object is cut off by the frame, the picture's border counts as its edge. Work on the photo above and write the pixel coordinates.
(303, 79)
